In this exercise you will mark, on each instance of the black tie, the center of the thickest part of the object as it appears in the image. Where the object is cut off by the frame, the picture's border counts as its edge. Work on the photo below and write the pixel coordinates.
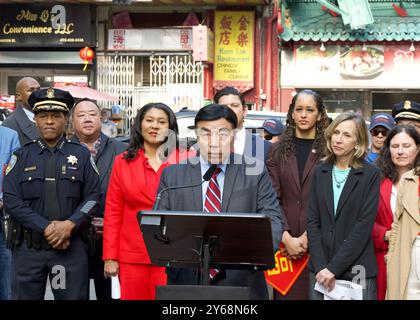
(52, 209)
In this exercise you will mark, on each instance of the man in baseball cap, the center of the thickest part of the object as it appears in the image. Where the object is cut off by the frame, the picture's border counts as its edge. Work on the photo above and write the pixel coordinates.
(407, 112)
(380, 125)
(273, 128)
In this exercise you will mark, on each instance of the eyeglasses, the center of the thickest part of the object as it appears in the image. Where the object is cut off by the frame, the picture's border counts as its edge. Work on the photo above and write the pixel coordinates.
(376, 131)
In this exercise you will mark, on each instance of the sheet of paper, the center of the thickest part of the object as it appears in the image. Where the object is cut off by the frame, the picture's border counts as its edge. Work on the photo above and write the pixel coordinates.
(343, 290)
(115, 288)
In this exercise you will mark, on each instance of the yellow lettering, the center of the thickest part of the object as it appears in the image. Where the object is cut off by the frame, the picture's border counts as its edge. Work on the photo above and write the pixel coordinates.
(276, 269)
(45, 15)
(283, 264)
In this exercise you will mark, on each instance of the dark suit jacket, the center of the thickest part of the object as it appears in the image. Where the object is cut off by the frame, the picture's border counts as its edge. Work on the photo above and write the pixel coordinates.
(108, 150)
(256, 147)
(242, 193)
(342, 242)
(20, 122)
(292, 193)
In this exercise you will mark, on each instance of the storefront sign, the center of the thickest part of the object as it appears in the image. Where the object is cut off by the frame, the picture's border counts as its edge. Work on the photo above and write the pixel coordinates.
(203, 44)
(41, 25)
(62, 81)
(176, 39)
(351, 66)
(234, 49)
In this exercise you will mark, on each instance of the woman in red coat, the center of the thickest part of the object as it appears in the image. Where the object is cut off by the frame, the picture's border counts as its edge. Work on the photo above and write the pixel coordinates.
(397, 157)
(133, 186)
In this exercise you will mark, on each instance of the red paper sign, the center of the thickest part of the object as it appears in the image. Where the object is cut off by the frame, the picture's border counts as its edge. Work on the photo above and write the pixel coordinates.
(286, 272)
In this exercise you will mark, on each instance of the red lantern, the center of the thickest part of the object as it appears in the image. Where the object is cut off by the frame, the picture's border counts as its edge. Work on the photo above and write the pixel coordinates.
(86, 54)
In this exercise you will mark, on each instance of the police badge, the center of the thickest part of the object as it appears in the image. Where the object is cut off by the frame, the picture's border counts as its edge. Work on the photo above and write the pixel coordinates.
(50, 93)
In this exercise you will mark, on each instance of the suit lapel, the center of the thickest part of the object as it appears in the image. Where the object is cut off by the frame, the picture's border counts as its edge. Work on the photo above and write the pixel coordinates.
(310, 163)
(352, 181)
(410, 201)
(293, 167)
(27, 126)
(103, 165)
(230, 178)
(328, 190)
(194, 177)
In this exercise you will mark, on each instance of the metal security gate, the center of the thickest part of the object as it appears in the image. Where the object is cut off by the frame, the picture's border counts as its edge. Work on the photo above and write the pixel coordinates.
(174, 80)
(179, 80)
(115, 75)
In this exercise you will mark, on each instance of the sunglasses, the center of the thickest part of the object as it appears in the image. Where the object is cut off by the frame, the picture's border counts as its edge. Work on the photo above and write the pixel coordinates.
(377, 131)
(268, 137)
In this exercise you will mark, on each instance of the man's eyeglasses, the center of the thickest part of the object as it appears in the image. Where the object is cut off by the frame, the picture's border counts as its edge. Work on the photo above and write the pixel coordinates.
(376, 131)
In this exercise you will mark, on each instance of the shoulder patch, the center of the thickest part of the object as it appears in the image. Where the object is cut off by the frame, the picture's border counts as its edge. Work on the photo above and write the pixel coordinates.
(92, 162)
(11, 164)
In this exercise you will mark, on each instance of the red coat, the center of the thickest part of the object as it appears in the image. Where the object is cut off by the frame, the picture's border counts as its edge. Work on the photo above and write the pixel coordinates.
(133, 186)
(383, 223)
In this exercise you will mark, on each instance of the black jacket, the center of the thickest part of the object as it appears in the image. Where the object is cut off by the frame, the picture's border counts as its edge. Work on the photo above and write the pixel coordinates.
(345, 241)
(104, 160)
(20, 122)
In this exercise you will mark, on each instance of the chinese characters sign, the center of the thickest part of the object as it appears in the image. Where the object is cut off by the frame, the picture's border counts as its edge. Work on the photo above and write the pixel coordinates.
(53, 25)
(234, 49)
(176, 39)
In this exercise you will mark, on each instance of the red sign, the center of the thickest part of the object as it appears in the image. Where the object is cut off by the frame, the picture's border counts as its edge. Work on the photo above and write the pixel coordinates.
(286, 272)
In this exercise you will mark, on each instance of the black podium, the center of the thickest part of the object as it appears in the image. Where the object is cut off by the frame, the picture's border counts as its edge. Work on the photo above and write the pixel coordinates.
(205, 241)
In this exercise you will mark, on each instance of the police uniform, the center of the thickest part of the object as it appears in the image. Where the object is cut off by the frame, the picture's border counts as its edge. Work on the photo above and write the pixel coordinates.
(406, 110)
(43, 184)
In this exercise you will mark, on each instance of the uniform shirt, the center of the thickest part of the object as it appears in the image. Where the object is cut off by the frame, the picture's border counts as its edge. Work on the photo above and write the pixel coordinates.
(77, 184)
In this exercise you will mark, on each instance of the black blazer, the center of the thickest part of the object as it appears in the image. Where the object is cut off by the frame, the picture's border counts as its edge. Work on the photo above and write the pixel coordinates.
(342, 242)
(20, 122)
(108, 150)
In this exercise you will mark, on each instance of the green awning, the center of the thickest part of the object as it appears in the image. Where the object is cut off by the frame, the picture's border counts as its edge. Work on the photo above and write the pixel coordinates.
(310, 23)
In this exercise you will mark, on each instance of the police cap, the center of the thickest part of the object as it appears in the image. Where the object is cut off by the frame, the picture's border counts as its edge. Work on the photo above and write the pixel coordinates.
(406, 110)
(51, 99)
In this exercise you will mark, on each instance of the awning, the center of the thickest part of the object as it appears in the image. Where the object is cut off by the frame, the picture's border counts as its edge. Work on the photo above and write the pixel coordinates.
(166, 2)
(310, 23)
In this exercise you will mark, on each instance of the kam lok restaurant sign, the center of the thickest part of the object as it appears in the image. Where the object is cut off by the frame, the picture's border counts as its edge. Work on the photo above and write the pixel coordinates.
(52, 25)
(234, 49)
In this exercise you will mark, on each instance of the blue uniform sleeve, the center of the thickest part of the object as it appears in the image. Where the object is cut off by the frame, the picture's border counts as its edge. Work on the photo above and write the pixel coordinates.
(91, 195)
(13, 199)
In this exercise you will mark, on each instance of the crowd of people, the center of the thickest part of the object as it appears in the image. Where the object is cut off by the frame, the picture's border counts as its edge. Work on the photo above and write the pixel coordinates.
(335, 190)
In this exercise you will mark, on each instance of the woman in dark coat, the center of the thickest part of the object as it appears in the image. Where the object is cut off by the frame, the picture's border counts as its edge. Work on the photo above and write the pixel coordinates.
(291, 165)
(342, 209)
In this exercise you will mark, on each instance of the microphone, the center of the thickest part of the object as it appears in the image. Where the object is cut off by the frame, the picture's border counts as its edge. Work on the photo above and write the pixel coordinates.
(206, 177)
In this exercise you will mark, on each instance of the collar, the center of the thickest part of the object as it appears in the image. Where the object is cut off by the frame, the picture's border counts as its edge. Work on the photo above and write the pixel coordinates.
(44, 146)
(205, 165)
(29, 114)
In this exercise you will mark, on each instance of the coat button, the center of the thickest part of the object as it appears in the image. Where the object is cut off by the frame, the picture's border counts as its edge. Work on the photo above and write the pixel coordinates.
(298, 202)
(73, 178)
(30, 179)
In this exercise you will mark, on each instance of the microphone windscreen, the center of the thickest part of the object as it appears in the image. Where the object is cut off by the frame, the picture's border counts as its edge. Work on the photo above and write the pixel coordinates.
(209, 172)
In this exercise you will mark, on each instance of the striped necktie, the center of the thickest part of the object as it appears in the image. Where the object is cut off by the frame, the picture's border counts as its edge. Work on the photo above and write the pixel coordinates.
(213, 203)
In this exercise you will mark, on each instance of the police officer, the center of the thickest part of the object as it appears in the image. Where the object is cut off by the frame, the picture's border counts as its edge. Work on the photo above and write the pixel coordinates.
(51, 191)
(407, 112)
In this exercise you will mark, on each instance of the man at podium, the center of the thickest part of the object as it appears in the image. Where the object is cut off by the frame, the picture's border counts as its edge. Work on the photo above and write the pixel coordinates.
(237, 185)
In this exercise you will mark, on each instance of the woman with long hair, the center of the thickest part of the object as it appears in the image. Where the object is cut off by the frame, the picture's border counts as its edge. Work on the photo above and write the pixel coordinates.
(403, 257)
(397, 157)
(342, 209)
(133, 186)
(291, 165)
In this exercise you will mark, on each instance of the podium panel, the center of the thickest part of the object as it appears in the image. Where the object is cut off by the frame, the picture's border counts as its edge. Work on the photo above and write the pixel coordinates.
(179, 292)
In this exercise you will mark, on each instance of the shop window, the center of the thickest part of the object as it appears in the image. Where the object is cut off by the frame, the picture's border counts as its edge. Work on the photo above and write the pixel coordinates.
(382, 101)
